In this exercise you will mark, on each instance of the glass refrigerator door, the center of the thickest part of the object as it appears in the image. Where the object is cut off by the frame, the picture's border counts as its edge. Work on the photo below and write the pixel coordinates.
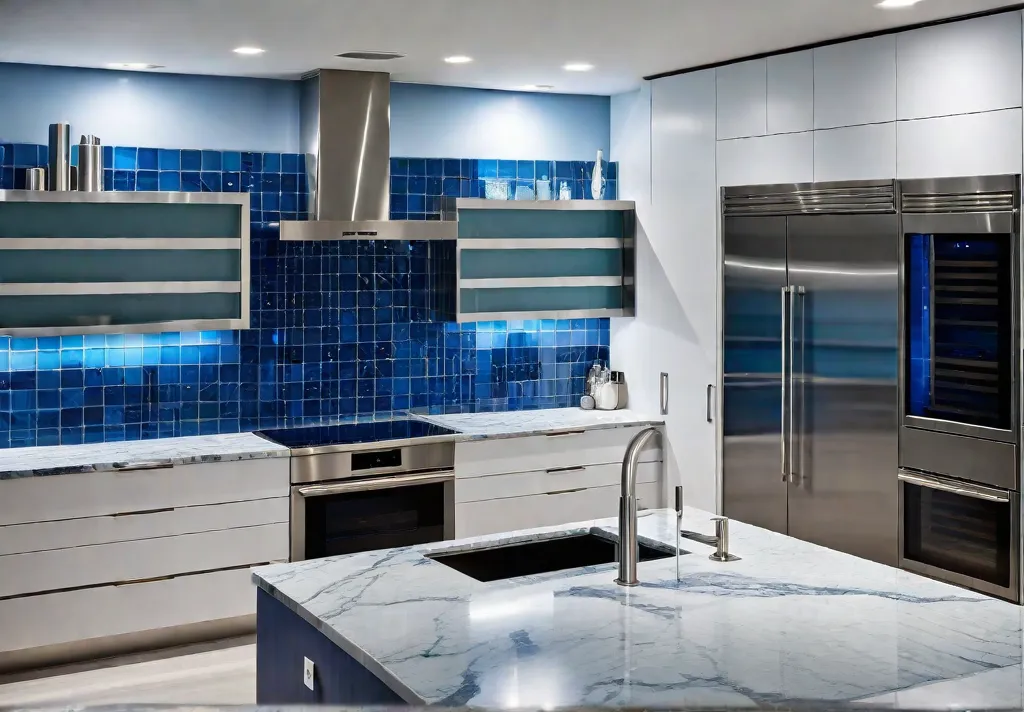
(959, 328)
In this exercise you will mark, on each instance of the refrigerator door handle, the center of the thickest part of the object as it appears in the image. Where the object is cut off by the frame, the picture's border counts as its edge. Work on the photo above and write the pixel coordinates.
(796, 431)
(783, 435)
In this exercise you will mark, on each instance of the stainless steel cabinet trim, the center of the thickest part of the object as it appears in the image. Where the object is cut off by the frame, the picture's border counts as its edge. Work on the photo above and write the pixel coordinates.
(375, 484)
(946, 485)
(528, 282)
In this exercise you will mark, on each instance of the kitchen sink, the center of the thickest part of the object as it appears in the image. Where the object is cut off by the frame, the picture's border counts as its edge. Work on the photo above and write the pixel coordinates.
(539, 557)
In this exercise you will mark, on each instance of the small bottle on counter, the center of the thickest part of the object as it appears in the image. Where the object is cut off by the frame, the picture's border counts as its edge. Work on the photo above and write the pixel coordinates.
(588, 401)
(607, 393)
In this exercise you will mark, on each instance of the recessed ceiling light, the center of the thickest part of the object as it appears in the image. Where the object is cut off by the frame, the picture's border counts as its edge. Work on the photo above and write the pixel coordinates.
(896, 4)
(249, 50)
(578, 67)
(458, 59)
(537, 87)
(133, 65)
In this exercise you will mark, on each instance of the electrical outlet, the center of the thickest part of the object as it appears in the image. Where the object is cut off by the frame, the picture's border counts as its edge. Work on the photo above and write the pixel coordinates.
(307, 673)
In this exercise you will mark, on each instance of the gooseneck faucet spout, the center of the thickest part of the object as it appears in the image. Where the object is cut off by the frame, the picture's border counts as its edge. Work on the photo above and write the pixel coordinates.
(629, 551)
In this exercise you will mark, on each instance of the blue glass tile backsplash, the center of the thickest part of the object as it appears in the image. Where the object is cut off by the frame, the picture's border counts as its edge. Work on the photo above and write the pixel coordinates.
(338, 329)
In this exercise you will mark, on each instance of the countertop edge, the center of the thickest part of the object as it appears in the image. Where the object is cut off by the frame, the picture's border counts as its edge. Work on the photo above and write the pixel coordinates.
(127, 463)
(346, 645)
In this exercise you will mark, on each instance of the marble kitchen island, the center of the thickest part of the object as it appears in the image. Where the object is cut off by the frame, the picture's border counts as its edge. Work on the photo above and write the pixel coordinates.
(789, 622)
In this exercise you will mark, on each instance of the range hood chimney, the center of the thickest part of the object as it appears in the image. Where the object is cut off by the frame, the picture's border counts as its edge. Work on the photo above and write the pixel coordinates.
(345, 132)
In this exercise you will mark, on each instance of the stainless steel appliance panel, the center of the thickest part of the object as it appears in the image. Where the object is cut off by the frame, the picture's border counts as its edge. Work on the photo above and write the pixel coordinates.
(986, 461)
(844, 276)
(325, 463)
(960, 532)
(755, 302)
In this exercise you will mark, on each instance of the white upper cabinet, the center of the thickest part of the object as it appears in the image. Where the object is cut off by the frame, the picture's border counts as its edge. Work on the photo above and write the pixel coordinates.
(855, 83)
(791, 92)
(855, 152)
(766, 160)
(960, 68)
(967, 145)
(742, 99)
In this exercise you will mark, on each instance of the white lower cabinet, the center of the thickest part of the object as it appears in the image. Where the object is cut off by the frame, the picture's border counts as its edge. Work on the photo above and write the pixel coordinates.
(55, 618)
(101, 554)
(543, 510)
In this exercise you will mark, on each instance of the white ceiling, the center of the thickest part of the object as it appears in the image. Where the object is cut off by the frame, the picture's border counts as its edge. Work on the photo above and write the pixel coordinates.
(514, 42)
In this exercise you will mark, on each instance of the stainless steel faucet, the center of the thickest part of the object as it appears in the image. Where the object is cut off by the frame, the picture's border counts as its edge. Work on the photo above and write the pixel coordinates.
(629, 551)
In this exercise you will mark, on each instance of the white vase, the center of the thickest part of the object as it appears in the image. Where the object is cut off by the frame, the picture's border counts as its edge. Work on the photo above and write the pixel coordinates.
(597, 178)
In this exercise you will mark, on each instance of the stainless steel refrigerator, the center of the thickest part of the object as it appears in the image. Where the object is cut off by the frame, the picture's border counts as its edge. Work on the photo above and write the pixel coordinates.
(811, 341)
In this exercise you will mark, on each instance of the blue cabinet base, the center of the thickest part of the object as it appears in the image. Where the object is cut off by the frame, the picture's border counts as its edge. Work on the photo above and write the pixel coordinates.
(283, 640)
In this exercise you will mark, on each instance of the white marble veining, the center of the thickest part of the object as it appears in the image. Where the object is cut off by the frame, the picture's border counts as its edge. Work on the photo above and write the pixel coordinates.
(69, 459)
(511, 424)
(791, 621)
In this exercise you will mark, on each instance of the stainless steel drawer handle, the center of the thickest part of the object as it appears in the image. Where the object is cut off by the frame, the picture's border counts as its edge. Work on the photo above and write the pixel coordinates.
(561, 470)
(663, 393)
(989, 495)
(154, 465)
(565, 435)
(375, 484)
(568, 491)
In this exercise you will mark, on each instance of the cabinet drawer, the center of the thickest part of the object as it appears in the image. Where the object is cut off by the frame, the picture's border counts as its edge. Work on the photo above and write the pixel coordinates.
(545, 452)
(50, 619)
(67, 533)
(517, 513)
(93, 494)
(522, 484)
(147, 559)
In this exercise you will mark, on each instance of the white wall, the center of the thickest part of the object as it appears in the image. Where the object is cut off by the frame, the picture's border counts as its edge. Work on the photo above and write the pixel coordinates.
(939, 101)
(479, 123)
(231, 113)
(141, 109)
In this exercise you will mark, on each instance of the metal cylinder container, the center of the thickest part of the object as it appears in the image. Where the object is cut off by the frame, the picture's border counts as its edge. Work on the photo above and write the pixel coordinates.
(35, 179)
(90, 165)
(58, 172)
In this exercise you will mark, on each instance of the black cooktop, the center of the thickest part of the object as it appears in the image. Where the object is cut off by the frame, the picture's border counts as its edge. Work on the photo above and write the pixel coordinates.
(355, 433)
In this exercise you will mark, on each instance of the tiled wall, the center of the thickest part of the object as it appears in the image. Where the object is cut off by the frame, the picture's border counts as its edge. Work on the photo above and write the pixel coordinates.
(337, 328)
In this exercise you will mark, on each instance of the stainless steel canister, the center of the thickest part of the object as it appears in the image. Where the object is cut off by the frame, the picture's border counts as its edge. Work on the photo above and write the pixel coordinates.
(58, 172)
(35, 179)
(90, 164)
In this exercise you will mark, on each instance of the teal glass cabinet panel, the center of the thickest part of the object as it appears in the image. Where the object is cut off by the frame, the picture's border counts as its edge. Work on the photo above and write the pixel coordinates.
(505, 300)
(110, 311)
(80, 263)
(70, 266)
(525, 224)
(497, 264)
(99, 220)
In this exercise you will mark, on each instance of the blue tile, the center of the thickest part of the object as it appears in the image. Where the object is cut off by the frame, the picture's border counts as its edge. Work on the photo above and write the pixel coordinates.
(487, 169)
(417, 167)
(169, 180)
(231, 161)
(252, 162)
(271, 162)
(147, 180)
(26, 155)
(74, 154)
(507, 169)
(148, 159)
(191, 160)
(124, 180)
(126, 158)
(210, 161)
(191, 182)
(289, 163)
(525, 169)
(169, 160)
(231, 182)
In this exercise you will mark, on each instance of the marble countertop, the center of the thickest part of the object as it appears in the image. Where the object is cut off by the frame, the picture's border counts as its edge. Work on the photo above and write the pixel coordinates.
(513, 424)
(789, 622)
(72, 459)
(96, 457)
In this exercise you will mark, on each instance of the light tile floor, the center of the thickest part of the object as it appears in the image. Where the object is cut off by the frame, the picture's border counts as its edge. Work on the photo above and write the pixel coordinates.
(225, 676)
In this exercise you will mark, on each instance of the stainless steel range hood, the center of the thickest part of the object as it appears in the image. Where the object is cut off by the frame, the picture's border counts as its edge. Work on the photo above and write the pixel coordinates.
(345, 132)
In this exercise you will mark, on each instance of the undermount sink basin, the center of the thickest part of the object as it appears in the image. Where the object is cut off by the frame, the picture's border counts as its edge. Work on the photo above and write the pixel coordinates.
(539, 557)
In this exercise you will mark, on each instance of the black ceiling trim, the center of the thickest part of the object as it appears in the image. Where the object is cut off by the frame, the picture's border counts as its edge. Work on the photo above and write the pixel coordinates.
(840, 40)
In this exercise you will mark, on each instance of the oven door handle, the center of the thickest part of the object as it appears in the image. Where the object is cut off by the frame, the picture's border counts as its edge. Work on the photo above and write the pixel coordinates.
(989, 495)
(375, 484)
